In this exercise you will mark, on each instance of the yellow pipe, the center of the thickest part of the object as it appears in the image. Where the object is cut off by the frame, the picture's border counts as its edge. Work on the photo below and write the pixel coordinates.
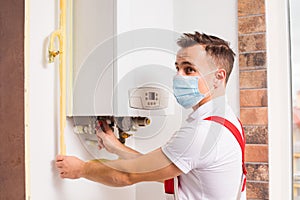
(69, 49)
(52, 52)
(61, 35)
(62, 61)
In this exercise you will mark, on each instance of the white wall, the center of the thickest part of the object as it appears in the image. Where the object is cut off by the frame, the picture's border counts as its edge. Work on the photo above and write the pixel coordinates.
(44, 96)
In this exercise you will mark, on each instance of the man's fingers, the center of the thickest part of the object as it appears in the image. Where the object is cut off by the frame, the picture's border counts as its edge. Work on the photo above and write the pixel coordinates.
(62, 175)
(59, 164)
(69, 166)
(106, 127)
(107, 130)
(60, 158)
(61, 171)
(100, 134)
(100, 144)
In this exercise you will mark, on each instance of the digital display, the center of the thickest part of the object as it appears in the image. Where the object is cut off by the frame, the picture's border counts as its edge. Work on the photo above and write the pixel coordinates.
(151, 95)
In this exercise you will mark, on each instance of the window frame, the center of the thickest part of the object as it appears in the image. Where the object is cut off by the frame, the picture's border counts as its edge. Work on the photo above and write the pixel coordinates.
(279, 100)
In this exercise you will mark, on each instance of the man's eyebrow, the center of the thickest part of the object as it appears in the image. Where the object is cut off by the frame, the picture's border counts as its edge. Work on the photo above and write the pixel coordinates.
(183, 63)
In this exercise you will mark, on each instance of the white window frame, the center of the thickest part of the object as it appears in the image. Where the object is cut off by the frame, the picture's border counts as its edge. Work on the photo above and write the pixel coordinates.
(279, 100)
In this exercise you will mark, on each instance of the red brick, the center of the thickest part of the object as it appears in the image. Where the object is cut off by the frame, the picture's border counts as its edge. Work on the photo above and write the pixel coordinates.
(256, 153)
(254, 116)
(257, 172)
(254, 79)
(253, 97)
(256, 134)
(251, 7)
(251, 24)
(257, 190)
(252, 60)
(255, 42)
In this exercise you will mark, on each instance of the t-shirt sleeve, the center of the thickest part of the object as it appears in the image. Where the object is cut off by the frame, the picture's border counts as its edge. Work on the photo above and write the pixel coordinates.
(184, 147)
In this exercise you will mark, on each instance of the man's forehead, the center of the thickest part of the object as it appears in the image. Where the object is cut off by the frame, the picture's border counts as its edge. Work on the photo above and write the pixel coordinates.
(195, 55)
(182, 55)
(183, 52)
(183, 59)
(193, 51)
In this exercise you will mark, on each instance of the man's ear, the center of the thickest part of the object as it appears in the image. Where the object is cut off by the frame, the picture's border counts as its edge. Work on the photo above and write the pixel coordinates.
(221, 74)
(220, 77)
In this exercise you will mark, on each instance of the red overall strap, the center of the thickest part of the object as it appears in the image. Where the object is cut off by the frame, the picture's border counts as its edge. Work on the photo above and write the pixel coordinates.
(169, 186)
(241, 140)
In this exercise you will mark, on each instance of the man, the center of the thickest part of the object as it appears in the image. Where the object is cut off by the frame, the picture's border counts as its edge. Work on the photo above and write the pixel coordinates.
(204, 154)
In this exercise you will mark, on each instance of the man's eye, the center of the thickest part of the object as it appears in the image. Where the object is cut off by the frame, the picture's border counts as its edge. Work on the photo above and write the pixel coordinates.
(189, 70)
(177, 68)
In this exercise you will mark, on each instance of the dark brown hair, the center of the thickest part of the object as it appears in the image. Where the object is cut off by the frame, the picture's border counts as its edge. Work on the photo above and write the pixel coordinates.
(219, 50)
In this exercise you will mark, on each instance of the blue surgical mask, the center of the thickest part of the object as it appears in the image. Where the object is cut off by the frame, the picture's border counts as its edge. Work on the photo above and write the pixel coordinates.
(186, 90)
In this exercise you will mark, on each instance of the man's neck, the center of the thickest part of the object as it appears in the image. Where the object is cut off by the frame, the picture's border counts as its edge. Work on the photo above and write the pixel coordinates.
(209, 98)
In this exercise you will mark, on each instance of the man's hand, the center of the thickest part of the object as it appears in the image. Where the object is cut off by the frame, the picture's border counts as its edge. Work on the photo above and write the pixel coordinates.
(69, 166)
(108, 140)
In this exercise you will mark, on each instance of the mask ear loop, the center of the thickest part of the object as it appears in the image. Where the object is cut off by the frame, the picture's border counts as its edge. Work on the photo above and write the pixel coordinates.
(206, 84)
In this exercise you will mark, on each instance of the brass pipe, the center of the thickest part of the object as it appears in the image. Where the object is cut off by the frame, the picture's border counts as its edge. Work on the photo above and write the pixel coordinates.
(52, 52)
(61, 35)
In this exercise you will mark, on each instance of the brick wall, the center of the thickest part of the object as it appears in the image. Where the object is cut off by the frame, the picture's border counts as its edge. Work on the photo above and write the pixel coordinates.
(253, 94)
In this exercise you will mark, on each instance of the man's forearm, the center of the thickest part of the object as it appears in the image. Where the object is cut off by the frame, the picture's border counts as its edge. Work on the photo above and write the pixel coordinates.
(127, 172)
(116, 174)
(153, 166)
(127, 153)
(100, 172)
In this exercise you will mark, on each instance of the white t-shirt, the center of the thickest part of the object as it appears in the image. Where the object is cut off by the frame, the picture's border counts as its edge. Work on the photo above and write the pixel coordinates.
(208, 155)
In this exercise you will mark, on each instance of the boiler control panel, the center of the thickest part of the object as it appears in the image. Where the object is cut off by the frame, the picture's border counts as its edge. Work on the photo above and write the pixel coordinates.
(148, 98)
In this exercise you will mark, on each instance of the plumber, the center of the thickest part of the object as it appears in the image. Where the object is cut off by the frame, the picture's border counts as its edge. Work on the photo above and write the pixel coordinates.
(204, 159)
